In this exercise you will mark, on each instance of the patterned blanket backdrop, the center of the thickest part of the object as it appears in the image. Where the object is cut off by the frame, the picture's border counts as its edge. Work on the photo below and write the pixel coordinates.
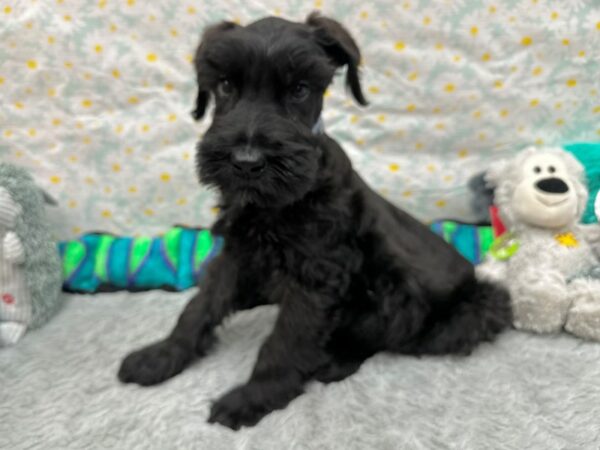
(95, 97)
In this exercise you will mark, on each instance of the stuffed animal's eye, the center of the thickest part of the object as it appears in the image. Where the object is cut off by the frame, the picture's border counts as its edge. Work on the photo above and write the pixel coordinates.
(224, 88)
(300, 91)
(551, 169)
(537, 169)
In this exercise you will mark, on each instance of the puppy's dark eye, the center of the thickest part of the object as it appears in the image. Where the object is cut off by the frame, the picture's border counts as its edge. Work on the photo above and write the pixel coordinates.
(224, 88)
(300, 91)
(537, 169)
(551, 169)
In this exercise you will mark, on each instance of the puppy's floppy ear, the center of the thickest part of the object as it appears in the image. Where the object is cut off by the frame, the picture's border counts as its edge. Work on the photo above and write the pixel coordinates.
(341, 48)
(201, 103)
(209, 34)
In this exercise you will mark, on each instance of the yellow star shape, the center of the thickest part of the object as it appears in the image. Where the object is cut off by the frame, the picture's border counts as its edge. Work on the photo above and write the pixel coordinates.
(567, 239)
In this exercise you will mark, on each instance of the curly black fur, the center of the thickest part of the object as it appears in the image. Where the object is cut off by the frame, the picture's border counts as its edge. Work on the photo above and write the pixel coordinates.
(353, 275)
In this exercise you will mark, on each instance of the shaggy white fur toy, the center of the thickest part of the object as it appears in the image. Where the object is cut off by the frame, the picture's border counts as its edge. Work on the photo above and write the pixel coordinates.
(30, 268)
(549, 271)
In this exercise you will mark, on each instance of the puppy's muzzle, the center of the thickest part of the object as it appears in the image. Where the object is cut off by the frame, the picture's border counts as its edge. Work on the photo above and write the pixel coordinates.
(248, 162)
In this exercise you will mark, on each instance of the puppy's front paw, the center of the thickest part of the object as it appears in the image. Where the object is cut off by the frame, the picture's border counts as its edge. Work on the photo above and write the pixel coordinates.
(154, 364)
(237, 409)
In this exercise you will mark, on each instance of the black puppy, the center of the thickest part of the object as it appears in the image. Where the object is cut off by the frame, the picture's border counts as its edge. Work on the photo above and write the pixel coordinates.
(353, 275)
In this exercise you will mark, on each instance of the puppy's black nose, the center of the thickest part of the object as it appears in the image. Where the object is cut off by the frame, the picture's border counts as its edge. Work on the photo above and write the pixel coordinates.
(552, 186)
(248, 161)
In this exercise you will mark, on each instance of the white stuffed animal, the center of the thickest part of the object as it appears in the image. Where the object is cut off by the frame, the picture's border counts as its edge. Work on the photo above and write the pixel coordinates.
(15, 314)
(30, 267)
(548, 261)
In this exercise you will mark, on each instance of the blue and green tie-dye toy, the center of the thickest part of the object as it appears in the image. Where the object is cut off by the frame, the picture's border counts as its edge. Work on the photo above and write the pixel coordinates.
(472, 241)
(99, 262)
(103, 262)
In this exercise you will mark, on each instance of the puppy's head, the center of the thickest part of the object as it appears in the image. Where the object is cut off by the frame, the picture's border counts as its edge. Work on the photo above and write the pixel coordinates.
(267, 80)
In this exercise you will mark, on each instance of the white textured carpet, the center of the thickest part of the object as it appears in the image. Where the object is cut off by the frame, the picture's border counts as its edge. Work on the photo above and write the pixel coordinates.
(58, 390)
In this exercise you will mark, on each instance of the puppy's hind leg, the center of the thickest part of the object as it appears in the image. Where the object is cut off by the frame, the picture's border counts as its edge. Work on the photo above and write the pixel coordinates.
(337, 370)
(350, 346)
(476, 312)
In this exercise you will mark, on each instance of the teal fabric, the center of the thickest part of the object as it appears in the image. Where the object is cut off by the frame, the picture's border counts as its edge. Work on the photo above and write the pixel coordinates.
(589, 155)
(156, 272)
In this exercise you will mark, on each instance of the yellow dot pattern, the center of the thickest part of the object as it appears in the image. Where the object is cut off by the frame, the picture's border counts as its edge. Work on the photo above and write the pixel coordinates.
(116, 122)
(526, 41)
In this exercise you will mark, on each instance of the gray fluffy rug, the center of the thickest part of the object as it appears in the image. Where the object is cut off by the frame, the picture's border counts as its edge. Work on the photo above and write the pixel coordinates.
(58, 390)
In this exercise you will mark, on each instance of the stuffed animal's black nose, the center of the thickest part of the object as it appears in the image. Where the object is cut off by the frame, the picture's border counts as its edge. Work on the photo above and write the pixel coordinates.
(249, 162)
(552, 186)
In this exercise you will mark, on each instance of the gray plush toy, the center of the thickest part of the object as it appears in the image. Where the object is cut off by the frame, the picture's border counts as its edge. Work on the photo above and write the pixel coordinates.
(481, 198)
(549, 260)
(30, 268)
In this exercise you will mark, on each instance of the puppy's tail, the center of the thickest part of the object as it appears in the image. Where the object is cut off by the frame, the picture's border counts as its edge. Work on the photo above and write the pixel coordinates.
(478, 312)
